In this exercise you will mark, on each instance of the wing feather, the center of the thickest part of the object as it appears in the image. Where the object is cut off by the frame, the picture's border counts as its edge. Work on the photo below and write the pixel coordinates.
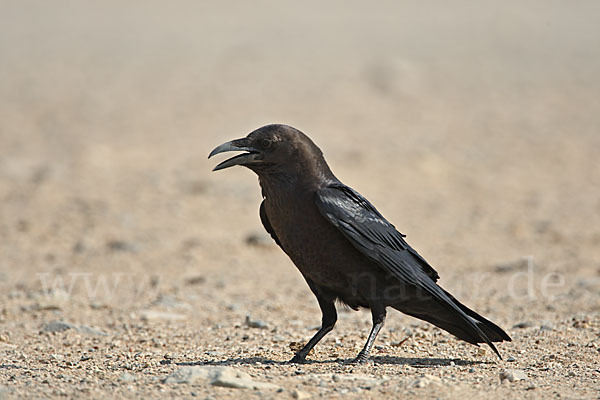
(371, 234)
(355, 216)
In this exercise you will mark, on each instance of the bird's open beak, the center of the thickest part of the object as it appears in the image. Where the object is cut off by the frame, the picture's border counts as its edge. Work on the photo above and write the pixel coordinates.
(253, 156)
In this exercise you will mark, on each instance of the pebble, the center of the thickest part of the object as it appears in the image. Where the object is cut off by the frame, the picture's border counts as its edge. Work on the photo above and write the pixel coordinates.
(195, 280)
(300, 395)
(217, 376)
(169, 302)
(512, 375)
(120, 245)
(255, 323)
(58, 326)
(426, 380)
(547, 326)
(258, 240)
(127, 377)
(91, 331)
(151, 315)
(523, 325)
(590, 283)
(61, 326)
(510, 266)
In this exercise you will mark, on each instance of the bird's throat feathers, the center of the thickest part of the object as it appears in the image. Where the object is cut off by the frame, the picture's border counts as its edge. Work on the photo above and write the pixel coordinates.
(308, 176)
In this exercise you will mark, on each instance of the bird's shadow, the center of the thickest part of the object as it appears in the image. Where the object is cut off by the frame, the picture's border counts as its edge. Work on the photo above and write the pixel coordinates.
(383, 360)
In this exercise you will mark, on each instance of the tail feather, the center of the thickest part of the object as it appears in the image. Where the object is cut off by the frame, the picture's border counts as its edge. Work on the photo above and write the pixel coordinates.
(492, 331)
(463, 323)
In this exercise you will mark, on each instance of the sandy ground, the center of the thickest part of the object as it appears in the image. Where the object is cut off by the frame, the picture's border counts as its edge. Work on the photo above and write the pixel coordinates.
(123, 259)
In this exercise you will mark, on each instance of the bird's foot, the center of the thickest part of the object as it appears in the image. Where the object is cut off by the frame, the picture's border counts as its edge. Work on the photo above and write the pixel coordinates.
(361, 358)
(298, 359)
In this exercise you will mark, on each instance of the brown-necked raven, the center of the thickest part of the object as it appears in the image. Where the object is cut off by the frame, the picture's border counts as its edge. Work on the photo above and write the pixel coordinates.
(344, 248)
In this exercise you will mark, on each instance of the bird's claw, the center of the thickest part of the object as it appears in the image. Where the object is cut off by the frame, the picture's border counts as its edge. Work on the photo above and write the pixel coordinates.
(298, 359)
(361, 358)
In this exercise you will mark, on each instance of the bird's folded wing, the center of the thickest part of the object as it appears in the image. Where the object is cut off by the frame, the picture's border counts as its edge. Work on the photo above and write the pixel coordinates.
(371, 234)
(265, 221)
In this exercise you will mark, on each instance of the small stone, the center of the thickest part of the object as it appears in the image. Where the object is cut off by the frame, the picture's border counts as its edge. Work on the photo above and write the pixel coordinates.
(258, 240)
(189, 375)
(300, 395)
(98, 306)
(58, 326)
(232, 378)
(120, 245)
(420, 383)
(523, 325)
(217, 376)
(91, 331)
(547, 326)
(511, 266)
(149, 315)
(511, 359)
(512, 375)
(195, 280)
(169, 301)
(51, 301)
(426, 380)
(78, 247)
(255, 323)
(590, 283)
(127, 377)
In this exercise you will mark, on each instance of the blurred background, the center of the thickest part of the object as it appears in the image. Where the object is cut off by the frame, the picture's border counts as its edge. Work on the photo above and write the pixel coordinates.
(473, 126)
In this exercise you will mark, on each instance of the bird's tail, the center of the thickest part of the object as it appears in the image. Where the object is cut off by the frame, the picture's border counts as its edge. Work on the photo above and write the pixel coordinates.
(469, 329)
(491, 330)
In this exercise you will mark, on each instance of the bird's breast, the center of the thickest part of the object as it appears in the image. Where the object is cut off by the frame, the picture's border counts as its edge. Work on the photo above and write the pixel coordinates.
(316, 247)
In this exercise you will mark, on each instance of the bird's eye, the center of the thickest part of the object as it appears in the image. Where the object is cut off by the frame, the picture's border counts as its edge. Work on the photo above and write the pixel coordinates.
(266, 143)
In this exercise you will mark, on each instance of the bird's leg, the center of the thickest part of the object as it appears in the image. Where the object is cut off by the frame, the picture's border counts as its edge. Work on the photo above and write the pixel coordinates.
(378, 314)
(328, 322)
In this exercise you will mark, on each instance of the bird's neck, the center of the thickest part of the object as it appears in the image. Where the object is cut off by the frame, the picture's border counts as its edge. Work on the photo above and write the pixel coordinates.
(307, 181)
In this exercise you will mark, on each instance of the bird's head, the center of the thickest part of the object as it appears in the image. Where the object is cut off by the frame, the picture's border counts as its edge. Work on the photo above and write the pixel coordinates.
(273, 150)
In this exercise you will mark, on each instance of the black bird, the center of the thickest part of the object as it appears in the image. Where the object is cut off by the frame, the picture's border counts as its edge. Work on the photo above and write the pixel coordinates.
(344, 248)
